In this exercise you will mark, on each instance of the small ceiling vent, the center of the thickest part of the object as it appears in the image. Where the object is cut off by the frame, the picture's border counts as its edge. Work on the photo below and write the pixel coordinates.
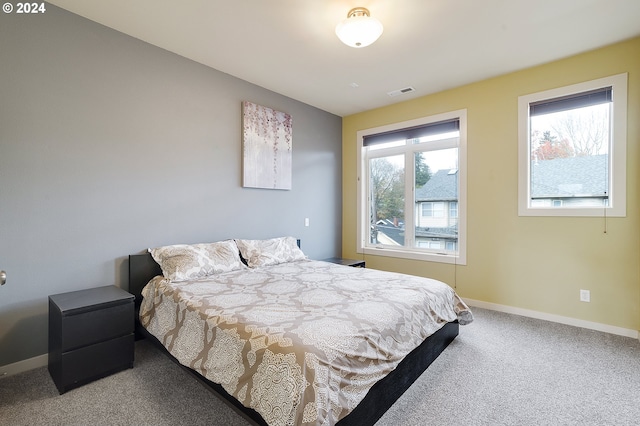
(401, 91)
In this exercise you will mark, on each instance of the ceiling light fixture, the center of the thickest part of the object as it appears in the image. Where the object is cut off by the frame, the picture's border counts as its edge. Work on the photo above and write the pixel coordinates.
(359, 29)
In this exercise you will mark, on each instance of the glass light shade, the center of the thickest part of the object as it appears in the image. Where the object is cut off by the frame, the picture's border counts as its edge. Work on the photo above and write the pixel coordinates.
(359, 30)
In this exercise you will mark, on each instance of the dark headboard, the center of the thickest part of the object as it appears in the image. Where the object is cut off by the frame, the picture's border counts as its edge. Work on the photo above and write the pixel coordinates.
(142, 268)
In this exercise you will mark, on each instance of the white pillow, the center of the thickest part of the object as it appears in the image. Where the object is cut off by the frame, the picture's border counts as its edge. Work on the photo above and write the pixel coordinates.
(269, 252)
(182, 262)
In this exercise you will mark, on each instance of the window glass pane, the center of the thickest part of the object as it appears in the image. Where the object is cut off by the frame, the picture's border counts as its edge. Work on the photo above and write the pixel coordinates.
(453, 209)
(427, 209)
(436, 195)
(386, 200)
(570, 157)
(438, 209)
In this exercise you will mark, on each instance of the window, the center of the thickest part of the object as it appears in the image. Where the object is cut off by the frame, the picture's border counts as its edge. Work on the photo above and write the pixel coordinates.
(433, 209)
(572, 150)
(412, 189)
(453, 210)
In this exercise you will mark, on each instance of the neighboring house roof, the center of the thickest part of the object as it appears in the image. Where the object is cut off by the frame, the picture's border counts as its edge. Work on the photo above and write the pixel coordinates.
(393, 232)
(561, 177)
(570, 177)
(442, 186)
(388, 222)
(432, 232)
(397, 233)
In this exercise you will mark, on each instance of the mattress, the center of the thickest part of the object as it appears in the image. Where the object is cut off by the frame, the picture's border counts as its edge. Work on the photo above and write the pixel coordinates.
(300, 342)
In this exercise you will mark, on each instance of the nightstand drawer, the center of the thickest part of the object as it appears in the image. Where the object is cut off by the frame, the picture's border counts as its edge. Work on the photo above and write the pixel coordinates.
(93, 362)
(96, 326)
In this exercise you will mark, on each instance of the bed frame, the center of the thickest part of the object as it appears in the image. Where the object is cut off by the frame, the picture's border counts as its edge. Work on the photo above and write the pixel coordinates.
(380, 397)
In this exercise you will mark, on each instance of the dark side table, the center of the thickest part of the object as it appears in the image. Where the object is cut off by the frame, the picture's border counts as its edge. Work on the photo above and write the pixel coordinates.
(90, 335)
(347, 262)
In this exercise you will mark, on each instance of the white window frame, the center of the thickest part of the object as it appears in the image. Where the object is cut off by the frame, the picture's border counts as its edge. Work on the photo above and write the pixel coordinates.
(409, 252)
(617, 150)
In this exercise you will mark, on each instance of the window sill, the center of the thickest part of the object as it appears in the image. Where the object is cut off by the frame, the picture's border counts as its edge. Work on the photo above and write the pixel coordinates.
(414, 255)
(569, 212)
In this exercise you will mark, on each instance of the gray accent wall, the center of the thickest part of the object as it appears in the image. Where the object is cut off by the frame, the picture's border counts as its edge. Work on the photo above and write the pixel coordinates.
(109, 145)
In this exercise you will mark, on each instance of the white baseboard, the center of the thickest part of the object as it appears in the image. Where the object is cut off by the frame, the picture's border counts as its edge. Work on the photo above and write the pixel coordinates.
(25, 365)
(555, 318)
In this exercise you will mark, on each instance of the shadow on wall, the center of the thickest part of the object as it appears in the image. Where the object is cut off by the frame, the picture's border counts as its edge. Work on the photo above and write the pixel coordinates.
(122, 273)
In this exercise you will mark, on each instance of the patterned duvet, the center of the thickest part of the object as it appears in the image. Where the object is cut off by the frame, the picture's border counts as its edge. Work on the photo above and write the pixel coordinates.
(300, 342)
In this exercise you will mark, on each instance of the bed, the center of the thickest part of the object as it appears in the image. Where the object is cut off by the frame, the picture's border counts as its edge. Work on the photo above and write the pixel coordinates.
(288, 340)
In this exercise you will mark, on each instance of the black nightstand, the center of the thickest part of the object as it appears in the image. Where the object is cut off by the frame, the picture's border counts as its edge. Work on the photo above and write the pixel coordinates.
(346, 262)
(90, 335)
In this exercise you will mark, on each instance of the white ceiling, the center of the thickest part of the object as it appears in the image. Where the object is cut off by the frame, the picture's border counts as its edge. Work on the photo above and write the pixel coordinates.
(290, 47)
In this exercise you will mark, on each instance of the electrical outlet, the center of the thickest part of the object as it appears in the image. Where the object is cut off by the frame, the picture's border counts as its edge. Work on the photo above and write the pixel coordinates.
(585, 296)
(306, 221)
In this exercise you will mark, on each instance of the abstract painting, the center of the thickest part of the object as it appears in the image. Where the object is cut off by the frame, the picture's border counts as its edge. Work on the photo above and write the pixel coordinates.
(266, 147)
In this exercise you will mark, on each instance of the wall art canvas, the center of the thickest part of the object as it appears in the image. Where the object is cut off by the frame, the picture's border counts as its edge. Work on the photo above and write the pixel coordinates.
(267, 147)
